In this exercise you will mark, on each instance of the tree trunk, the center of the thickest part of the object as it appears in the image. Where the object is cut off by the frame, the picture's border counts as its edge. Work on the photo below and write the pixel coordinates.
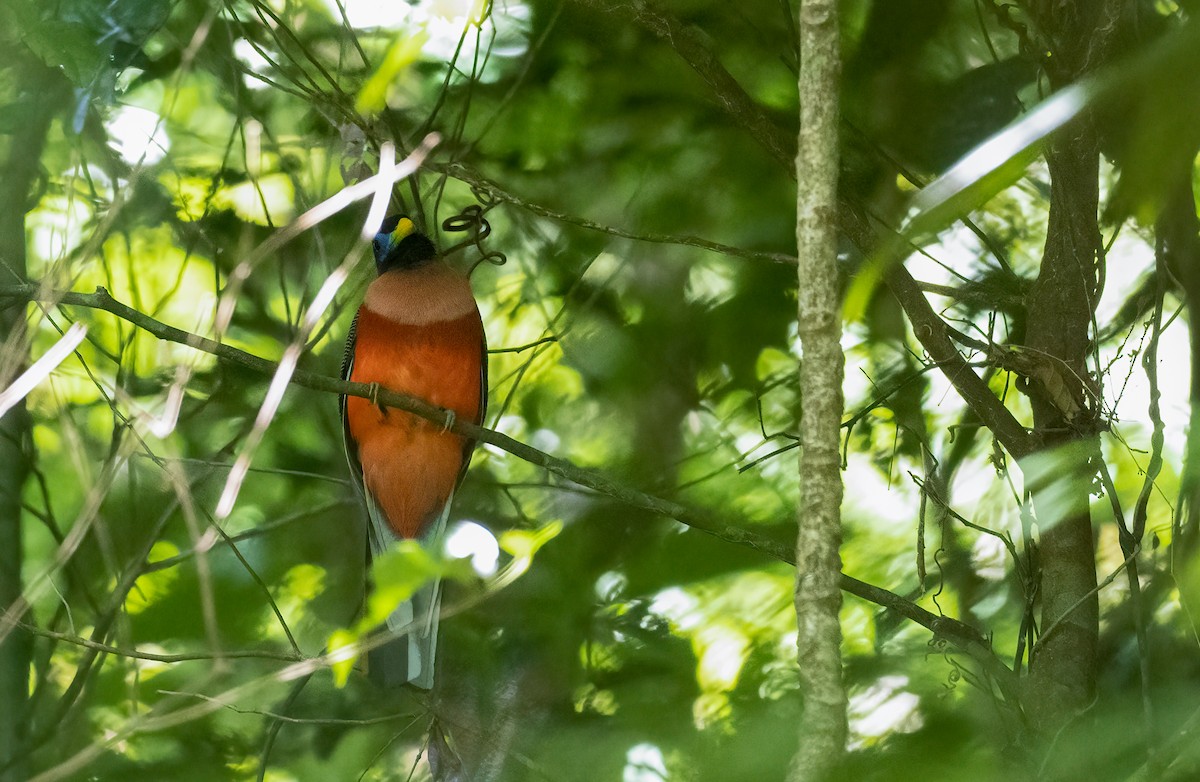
(20, 169)
(1061, 306)
(818, 564)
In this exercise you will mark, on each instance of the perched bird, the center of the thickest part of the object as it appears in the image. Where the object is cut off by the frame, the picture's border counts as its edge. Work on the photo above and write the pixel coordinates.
(417, 332)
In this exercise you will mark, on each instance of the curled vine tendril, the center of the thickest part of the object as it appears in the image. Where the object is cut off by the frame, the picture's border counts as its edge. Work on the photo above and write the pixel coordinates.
(471, 220)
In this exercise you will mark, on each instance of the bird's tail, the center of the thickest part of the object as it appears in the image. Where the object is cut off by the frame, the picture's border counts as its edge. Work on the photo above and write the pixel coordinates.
(410, 655)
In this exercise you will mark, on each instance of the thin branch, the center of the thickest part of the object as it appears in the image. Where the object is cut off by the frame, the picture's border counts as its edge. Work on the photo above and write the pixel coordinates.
(1083, 599)
(232, 540)
(1004, 538)
(965, 637)
(523, 348)
(932, 332)
(500, 195)
(1141, 508)
(140, 654)
(283, 717)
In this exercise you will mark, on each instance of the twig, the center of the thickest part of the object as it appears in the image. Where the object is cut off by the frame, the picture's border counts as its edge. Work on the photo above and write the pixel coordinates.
(283, 717)
(499, 194)
(523, 348)
(932, 332)
(139, 654)
(1140, 510)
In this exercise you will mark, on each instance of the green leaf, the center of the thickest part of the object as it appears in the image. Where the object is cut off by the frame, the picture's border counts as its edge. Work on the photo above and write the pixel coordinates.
(988, 169)
(396, 575)
(152, 587)
(523, 544)
(404, 51)
(340, 643)
(81, 36)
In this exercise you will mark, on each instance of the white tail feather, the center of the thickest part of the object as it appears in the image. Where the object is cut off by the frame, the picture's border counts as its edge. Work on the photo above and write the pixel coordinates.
(410, 656)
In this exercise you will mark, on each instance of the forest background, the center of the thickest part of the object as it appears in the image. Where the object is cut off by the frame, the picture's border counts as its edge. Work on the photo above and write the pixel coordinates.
(180, 544)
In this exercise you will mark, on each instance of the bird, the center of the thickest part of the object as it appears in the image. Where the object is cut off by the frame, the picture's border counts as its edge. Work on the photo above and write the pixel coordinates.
(417, 332)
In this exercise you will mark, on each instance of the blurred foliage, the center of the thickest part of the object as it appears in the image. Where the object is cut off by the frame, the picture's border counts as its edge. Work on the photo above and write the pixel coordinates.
(620, 645)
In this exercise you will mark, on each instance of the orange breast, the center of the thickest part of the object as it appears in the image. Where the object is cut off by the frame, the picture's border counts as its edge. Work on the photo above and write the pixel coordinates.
(410, 465)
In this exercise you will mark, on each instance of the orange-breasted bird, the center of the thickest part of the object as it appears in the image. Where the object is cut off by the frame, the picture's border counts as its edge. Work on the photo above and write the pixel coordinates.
(418, 332)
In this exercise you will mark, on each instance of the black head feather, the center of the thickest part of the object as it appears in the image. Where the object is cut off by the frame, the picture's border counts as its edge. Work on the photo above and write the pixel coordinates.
(399, 245)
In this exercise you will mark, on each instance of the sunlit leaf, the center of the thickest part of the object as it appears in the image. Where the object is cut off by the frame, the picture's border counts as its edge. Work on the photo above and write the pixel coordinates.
(150, 588)
(524, 544)
(265, 200)
(339, 642)
(403, 52)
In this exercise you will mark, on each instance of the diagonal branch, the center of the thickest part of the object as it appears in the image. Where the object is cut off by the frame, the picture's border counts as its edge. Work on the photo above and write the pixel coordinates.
(934, 335)
(966, 638)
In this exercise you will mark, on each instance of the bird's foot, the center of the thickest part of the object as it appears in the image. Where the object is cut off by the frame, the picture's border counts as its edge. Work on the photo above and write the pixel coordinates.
(374, 398)
(448, 424)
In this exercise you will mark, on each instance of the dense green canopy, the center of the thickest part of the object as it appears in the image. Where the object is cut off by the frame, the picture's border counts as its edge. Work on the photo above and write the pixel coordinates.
(628, 615)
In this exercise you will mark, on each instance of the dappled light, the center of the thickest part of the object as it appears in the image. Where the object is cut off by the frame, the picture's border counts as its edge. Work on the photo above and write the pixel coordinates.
(192, 195)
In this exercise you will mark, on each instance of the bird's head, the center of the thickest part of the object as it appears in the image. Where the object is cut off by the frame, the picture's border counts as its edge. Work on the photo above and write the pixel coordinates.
(399, 245)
